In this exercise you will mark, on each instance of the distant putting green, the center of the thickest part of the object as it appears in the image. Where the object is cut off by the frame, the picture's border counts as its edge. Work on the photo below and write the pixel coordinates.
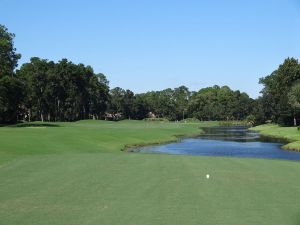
(75, 173)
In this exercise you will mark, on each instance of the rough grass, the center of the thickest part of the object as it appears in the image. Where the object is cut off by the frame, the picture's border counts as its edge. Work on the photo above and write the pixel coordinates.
(290, 134)
(76, 174)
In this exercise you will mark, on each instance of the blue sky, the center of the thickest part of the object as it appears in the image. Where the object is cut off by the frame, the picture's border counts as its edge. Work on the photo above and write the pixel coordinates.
(147, 45)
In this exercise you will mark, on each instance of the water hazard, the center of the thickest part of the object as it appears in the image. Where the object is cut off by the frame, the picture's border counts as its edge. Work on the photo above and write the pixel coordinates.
(226, 141)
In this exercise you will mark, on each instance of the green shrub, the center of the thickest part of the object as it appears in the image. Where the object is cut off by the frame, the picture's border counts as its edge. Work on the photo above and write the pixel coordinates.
(234, 123)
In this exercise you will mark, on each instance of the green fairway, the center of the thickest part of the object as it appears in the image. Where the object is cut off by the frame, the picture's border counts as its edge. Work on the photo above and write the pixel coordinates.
(76, 174)
(88, 136)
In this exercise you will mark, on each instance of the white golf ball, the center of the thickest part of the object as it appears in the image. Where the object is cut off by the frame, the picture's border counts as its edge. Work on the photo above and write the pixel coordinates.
(207, 176)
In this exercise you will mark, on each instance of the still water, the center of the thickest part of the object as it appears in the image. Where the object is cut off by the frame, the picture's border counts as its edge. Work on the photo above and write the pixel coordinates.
(226, 141)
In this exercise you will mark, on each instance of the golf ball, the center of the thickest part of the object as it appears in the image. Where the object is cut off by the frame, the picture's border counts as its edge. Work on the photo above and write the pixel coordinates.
(207, 176)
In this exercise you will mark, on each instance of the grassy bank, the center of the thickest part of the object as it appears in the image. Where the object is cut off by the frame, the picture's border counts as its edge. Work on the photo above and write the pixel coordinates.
(290, 134)
(75, 173)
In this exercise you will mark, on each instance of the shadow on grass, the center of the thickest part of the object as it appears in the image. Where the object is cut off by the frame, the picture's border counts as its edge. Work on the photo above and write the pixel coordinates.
(34, 125)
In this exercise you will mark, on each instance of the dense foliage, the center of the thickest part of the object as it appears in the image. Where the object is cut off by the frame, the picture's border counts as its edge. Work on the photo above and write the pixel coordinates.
(11, 89)
(280, 96)
(44, 90)
(168, 103)
(63, 91)
(219, 103)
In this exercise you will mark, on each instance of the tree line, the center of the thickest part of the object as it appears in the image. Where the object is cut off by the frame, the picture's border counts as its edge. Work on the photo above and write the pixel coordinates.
(213, 103)
(280, 100)
(63, 91)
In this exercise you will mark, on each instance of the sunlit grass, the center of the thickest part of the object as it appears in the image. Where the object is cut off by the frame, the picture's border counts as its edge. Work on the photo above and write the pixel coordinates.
(290, 134)
(76, 173)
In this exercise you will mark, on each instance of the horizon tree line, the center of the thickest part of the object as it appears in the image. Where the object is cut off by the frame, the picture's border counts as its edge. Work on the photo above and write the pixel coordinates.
(63, 91)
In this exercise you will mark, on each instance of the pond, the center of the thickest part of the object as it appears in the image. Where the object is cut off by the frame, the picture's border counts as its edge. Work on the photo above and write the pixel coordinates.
(226, 141)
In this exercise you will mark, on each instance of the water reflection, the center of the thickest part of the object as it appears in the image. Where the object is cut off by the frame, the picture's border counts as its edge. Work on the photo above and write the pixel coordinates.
(227, 141)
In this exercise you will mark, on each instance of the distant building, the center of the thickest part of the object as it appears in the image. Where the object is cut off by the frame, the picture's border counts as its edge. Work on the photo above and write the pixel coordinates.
(151, 115)
(113, 116)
